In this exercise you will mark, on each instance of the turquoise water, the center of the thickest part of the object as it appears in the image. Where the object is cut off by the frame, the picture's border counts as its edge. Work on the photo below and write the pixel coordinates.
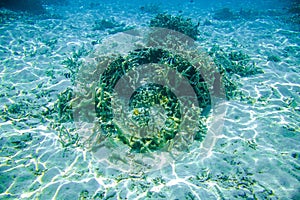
(234, 139)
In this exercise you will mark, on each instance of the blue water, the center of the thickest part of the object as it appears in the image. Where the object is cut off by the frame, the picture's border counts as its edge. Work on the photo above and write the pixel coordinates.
(55, 57)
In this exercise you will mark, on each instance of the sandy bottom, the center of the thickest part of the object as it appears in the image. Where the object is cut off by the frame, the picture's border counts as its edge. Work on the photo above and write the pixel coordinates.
(255, 156)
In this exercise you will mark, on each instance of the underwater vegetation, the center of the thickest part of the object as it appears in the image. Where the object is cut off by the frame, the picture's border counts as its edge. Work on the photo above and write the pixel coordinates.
(63, 114)
(73, 62)
(176, 23)
(234, 62)
(25, 112)
(13, 111)
(147, 96)
(63, 106)
(230, 64)
(274, 58)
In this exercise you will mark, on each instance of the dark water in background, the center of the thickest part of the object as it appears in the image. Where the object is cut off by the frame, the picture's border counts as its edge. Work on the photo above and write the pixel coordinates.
(36, 165)
(34, 5)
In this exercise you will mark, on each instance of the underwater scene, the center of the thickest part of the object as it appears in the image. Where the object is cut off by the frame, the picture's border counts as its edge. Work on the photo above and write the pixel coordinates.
(177, 99)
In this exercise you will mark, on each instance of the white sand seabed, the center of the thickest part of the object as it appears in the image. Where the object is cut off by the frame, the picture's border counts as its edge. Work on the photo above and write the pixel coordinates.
(256, 155)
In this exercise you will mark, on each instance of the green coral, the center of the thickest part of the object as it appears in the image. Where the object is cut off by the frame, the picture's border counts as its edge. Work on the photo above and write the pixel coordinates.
(154, 94)
(176, 23)
(63, 119)
(141, 99)
(274, 58)
(137, 58)
(228, 64)
(14, 111)
(234, 62)
(73, 62)
(63, 106)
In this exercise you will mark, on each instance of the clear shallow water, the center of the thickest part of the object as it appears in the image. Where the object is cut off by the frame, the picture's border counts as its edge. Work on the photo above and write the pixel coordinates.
(254, 156)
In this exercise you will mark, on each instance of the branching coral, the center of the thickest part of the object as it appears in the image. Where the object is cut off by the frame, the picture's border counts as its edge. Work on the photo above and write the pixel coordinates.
(176, 23)
(234, 62)
(119, 68)
(73, 62)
